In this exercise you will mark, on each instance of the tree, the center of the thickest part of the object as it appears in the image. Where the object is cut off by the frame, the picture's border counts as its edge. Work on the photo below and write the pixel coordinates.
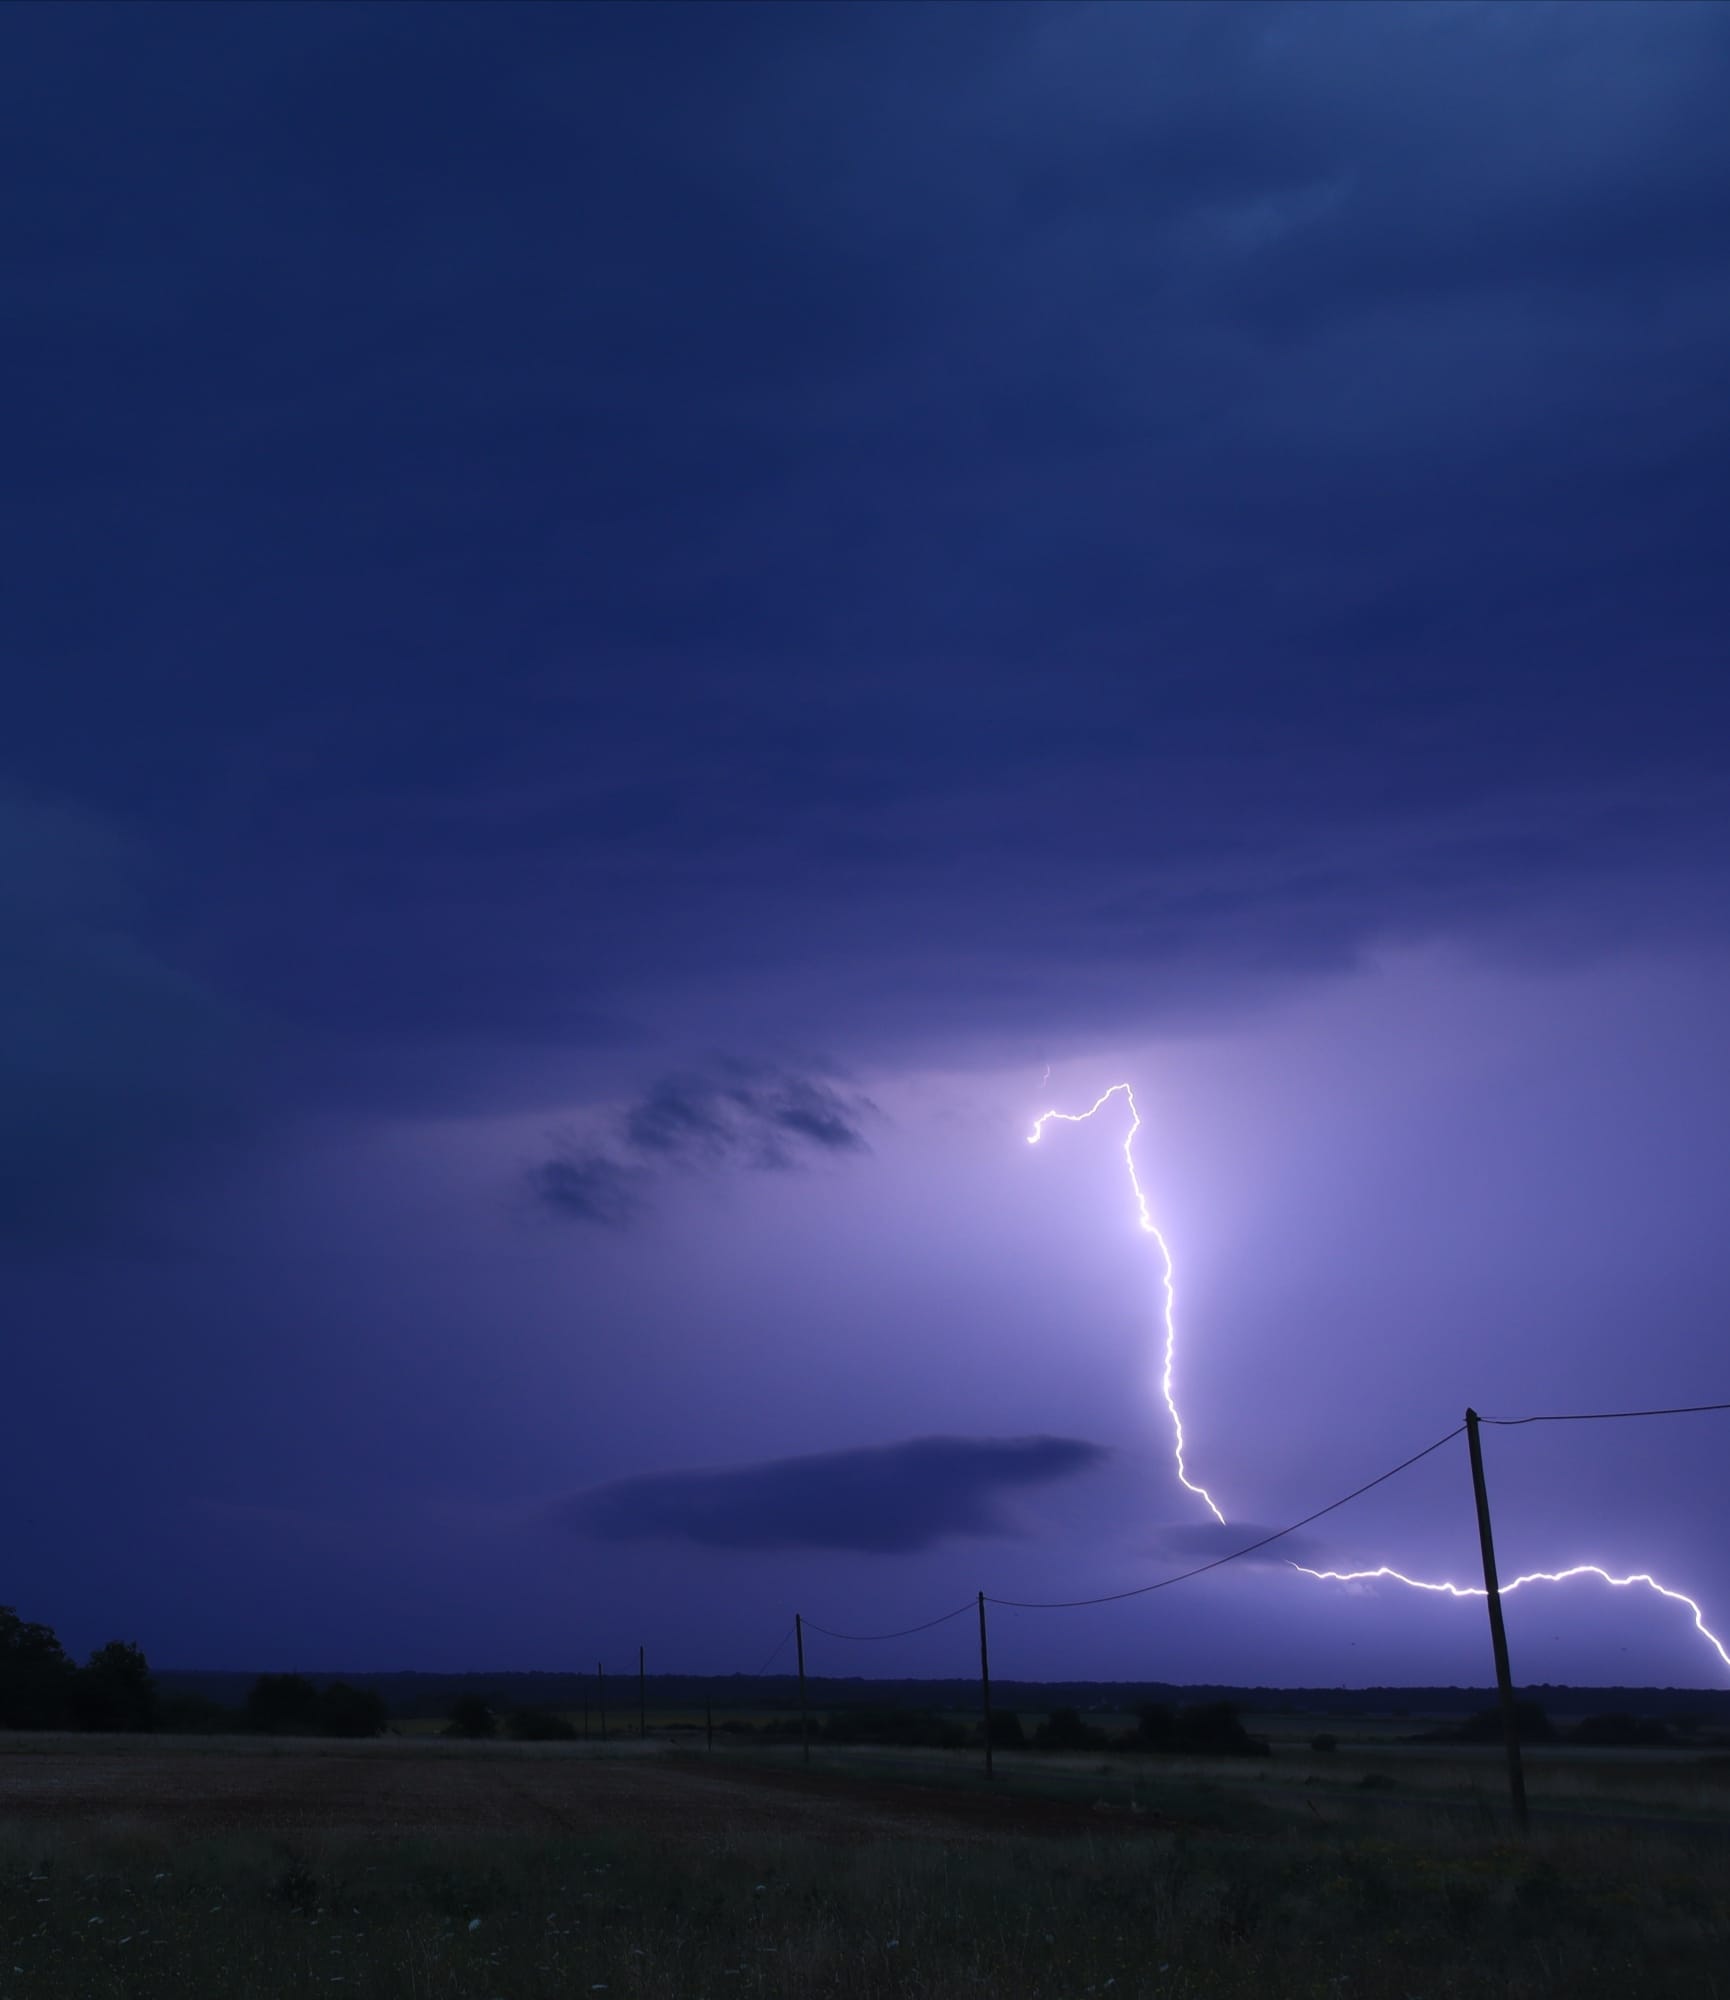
(472, 1716)
(1154, 1727)
(1063, 1729)
(538, 1725)
(1006, 1730)
(115, 1689)
(350, 1711)
(1213, 1729)
(35, 1675)
(282, 1705)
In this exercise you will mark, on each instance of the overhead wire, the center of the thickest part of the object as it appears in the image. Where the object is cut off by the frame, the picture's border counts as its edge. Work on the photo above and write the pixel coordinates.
(1604, 1416)
(775, 1654)
(906, 1631)
(1249, 1549)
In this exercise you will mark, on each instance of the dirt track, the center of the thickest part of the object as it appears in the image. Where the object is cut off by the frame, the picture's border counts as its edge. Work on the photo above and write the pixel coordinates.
(386, 1790)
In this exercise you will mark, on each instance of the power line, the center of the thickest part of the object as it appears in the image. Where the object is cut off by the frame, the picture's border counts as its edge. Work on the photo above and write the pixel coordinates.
(1219, 1562)
(1605, 1416)
(905, 1632)
(770, 1661)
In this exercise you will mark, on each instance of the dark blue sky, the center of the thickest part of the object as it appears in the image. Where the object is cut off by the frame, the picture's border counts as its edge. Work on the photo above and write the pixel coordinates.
(621, 622)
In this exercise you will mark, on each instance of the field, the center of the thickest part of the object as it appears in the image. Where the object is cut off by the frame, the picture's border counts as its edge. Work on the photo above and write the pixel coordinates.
(408, 1867)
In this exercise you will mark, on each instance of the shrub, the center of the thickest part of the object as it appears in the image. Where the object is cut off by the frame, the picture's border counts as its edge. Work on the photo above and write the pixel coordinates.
(472, 1716)
(35, 1675)
(350, 1711)
(282, 1705)
(1063, 1729)
(1325, 1742)
(114, 1690)
(538, 1725)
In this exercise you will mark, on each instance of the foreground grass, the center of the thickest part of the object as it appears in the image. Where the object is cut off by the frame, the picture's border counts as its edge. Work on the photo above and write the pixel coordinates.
(1273, 1912)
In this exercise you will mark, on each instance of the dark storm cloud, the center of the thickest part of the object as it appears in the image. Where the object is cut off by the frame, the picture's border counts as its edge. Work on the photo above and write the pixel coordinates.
(112, 1062)
(887, 1499)
(736, 1116)
(742, 1115)
(1124, 508)
(586, 1187)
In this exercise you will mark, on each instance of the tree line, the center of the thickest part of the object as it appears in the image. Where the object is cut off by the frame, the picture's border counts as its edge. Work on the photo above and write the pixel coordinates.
(43, 1687)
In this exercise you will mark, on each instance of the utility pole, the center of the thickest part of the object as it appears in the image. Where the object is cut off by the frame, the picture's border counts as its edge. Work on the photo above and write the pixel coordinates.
(601, 1697)
(1498, 1632)
(985, 1686)
(804, 1712)
(642, 1699)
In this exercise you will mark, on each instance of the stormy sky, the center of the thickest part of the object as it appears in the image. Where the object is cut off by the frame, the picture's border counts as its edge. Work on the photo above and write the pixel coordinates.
(633, 634)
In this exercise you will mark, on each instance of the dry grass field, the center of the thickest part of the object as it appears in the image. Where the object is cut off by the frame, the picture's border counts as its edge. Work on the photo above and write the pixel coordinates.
(166, 1869)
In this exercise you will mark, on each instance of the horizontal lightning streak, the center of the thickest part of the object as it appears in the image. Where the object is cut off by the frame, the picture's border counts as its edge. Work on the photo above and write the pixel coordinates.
(1148, 1225)
(1385, 1573)
(1388, 1575)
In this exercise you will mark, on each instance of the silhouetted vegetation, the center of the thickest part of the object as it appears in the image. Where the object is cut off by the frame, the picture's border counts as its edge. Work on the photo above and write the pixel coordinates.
(914, 1728)
(472, 1716)
(1203, 1729)
(40, 1688)
(1621, 1732)
(1063, 1729)
(292, 1705)
(114, 1689)
(1006, 1730)
(35, 1675)
(538, 1725)
(1530, 1721)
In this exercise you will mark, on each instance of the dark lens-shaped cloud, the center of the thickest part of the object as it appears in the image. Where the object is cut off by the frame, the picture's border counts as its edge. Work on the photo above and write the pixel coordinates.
(735, 1116)
(887, 1499)
(585, 1187)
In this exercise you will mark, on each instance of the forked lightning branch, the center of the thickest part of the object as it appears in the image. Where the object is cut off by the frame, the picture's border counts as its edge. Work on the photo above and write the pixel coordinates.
(1167, 1383)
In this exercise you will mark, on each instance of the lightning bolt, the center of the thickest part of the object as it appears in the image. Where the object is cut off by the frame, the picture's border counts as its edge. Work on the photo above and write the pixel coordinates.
(1145, 1216)
(1385, 1574)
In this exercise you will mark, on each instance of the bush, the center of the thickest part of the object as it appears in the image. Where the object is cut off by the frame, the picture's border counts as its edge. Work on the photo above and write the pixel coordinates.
(35, 1675)
(472, 1716)
(1063, 1729)
(114, 1690)
(1530, 1722)
(1621, 1732)
(912, 1728)
(1155, 1728)
(1325, 1742)
(282, 1705)
(1006, 1730)
(538, 1725)
(197, 1715)
(1213, 1729)
(350, 1711)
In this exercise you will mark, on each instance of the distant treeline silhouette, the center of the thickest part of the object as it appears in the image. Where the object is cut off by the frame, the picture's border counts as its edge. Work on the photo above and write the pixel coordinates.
(42, 1687)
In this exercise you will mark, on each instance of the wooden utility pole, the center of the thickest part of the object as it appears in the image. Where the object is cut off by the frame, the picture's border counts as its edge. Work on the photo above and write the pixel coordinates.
(642, 1699)
(601, 1697)
(985, 1685)
(804, 1711)
(1498, 1632)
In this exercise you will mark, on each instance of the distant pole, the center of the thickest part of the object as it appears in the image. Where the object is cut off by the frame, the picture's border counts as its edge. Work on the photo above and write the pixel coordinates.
(985, 1685)
(642, 1698)
(804, 1712)
(709, 1725)
(1498, 1632)
(601, 1697)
